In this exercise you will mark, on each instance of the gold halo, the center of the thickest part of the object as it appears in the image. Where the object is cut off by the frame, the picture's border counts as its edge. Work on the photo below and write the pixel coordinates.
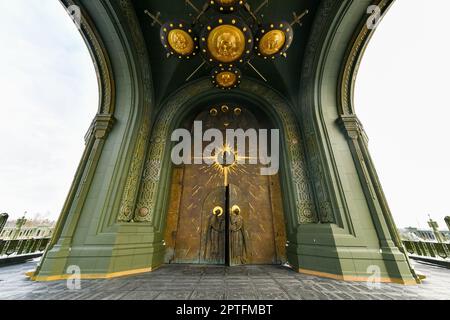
(218, 209)
(272, 42)
(235, 207)
(181, 42)
(226, 43)
(226, 79)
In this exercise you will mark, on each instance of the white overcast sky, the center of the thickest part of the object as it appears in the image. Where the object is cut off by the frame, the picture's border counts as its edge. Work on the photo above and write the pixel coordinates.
(48, 97)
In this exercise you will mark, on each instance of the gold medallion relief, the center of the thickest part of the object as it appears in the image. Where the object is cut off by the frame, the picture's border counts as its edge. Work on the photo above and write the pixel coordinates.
(226, 79)
(272, 42)
(181, 42)
(226, 43)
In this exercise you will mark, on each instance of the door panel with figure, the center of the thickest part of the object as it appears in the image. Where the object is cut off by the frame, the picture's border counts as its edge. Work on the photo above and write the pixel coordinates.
(207, 195)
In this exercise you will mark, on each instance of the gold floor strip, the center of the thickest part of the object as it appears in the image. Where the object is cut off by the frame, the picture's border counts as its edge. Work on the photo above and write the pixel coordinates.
(356, 278)
(89, 276)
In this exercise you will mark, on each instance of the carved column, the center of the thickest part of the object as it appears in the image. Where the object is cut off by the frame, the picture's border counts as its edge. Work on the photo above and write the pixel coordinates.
(380, 212)
(95, 139)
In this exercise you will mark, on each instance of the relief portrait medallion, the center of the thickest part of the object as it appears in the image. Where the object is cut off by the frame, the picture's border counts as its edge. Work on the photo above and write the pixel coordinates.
(272, 42)
(226, 79)
(226, 43)
(181, 42)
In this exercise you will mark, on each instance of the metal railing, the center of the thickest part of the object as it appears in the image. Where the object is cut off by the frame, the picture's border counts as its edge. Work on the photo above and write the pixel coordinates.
(22, 246)
(428, 249)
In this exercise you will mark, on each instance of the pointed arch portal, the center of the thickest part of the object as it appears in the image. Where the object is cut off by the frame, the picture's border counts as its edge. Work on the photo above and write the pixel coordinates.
(123, 212)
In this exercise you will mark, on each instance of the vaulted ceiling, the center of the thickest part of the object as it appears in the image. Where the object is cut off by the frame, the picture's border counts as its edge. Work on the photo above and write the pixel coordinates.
(170, 73)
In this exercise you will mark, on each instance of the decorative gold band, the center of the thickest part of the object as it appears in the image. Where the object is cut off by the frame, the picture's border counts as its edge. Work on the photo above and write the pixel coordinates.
(89, 276)
(356, 278)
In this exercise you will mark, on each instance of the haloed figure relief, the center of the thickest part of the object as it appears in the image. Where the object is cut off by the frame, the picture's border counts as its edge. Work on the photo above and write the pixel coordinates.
(239, 239)
(226, 212)
(215, 240)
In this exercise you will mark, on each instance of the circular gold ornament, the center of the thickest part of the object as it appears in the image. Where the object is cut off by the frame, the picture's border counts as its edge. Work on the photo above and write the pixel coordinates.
(272, 42)
(226, 79)
(226, 43)
(213, 112)
(181, 42)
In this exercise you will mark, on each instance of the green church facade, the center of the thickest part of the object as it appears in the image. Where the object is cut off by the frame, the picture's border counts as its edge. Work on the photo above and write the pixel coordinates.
(336, 217)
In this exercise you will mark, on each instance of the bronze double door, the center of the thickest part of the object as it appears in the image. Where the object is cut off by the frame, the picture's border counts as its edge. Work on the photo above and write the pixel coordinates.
(213, 221)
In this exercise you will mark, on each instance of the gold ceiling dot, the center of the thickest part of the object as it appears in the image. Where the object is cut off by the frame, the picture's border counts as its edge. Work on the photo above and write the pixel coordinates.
(213, 112)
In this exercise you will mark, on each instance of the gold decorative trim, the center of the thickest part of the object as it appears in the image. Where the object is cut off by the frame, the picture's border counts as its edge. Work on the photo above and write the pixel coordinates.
(353, 59)
(112, 275)
(349, 278)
